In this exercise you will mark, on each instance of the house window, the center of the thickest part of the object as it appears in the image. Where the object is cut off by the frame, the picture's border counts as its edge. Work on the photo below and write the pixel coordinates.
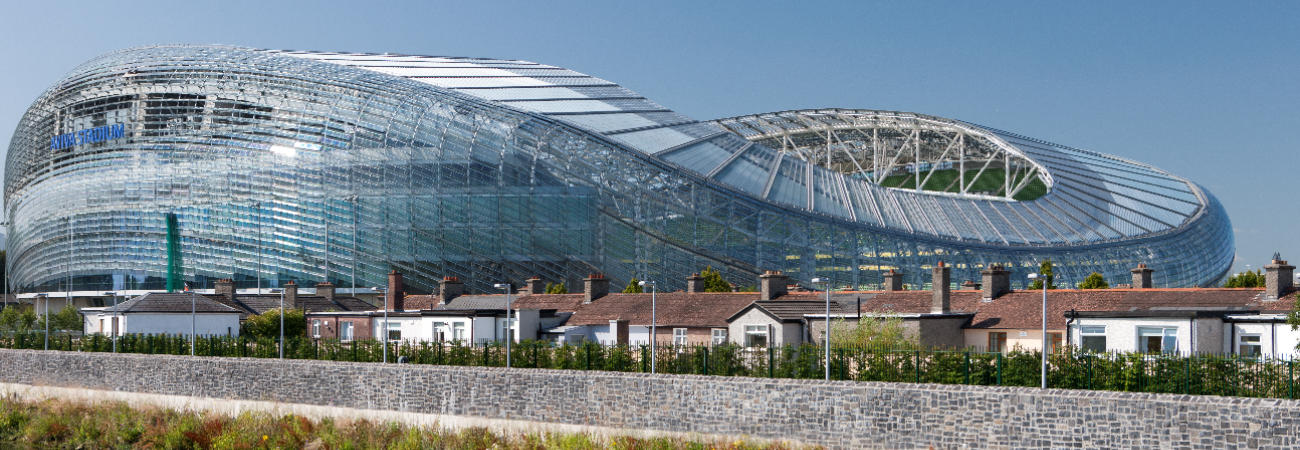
(1053, 342)
(997, 341)
(1248, 345)
(315, 328)
(345, 331)
(102, 329)
(507, 328)
(394, 331)
(756, 335)
(458, 331)
(719, 336)
(439, 331)
(1157, 339)
(1093, 338)
(679, 336)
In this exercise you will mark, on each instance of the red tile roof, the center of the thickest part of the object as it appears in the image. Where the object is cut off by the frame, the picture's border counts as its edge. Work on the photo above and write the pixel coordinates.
(1022, 309)
(681, 309)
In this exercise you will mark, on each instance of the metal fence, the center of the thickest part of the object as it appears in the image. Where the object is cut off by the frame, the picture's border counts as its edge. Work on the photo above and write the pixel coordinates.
(1135, 372)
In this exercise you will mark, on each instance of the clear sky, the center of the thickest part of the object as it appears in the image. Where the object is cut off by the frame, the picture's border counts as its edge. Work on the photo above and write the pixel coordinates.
(1210, 92)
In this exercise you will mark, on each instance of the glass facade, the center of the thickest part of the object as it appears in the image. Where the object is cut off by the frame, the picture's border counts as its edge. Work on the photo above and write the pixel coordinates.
(341, 167)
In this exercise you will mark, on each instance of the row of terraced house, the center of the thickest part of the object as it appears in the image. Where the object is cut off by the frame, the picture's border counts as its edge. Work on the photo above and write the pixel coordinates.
(987, 315)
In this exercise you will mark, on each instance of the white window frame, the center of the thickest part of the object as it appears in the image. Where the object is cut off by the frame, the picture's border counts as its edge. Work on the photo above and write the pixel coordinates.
(440, 331)
(757, 330)
(1168, 338)
(506, 328)
(1093, 331)
(718, 336)
(394, 326)
(315, 328)
(679, 336)
(458, 331)
(345, 331)
(1258, 344)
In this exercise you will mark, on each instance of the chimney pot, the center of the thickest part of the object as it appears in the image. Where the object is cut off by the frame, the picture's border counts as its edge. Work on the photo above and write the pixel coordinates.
(534, 285)
(396, 295)
(291, 295)
(450, 288)
(226, 288)
(1142, 277)
(594, 286)
(325, 289)
(996, 281)
(941, 302)
(1278, 279)
(694, 283)
(772, 284)
(893, 280)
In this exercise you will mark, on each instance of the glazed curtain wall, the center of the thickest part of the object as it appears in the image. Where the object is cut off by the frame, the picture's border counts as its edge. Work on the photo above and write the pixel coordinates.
(284, 169)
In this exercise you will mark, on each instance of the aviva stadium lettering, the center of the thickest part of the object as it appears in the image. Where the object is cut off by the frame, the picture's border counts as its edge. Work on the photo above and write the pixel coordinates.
(88, 136)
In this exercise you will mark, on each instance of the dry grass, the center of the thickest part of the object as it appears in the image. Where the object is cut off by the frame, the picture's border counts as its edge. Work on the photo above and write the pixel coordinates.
(64, 424)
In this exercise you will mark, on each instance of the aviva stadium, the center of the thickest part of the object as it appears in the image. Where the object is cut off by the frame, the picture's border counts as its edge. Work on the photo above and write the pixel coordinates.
(310, 166)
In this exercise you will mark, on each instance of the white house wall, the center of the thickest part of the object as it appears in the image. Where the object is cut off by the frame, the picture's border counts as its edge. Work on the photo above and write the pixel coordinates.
(1276, 339)
(206, 324)
(1121, 333)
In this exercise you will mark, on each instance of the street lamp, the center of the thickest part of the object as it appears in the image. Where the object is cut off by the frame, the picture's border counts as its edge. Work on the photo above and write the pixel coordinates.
(46, 299)
(193, 319)
(509, 334)
(281, 292)
(1043, 362)
(383, 292)
(654, 337)
(826, 341)
(113, 326)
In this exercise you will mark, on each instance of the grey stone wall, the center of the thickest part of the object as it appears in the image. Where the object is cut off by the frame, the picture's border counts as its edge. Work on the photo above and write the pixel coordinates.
(837, 414)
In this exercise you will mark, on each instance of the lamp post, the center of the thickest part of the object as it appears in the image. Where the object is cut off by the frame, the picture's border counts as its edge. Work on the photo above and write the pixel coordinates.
(113, 325)
(1043, 359)
(509, 334)
(826, 341)
(193, 319)
(654, 336)
(46, 299)
(383, 292)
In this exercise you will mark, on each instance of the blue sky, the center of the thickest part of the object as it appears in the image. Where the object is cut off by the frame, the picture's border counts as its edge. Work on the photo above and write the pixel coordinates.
(1206, 91)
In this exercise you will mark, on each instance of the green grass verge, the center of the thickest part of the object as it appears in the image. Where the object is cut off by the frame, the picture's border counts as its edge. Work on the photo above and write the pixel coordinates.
(65, 424)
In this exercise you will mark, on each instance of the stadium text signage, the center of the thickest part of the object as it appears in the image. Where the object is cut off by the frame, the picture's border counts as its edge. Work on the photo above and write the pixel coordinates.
(87, 136)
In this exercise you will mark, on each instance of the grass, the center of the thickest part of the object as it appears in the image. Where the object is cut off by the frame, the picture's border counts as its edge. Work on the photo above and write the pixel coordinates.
(65, 424)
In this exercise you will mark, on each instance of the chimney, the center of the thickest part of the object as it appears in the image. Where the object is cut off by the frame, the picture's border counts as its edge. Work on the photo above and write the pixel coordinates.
(291, 295)
(594, 286)
(941, 303)
(1277, 279)
(226, 288)
(325, 289)
(450, 288)
(694, 283)
(969, 285)
(772, 284)
(893, 280)
(396, 296)
(534, 285)
(996, 281)
(1141, 276)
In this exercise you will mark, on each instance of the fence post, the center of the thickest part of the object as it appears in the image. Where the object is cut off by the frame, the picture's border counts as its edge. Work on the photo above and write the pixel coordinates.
(1187, 375)
(771, 371)
(1087, 359)
(706, 360)
(918, 366)
(999, 355)
(968, 366)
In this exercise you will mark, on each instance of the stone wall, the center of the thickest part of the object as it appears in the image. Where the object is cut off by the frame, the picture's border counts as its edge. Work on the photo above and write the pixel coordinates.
(837, 414)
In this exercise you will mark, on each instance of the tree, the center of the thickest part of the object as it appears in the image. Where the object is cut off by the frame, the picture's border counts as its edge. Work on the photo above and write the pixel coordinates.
(633, 287)
(871, 332)
(1293, 318)
(1245, 279)
(67, 319)
(15, 318)
(713, 281)
(556, 288)
(1094, 281)
(267, 324)
(1046, 270)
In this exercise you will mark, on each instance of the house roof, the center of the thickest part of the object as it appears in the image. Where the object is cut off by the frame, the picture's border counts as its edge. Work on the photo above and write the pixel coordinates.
(558, 302)
(793, 308)
(173, 302)
(1023, 309)
(682, 309)
(260, 303)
